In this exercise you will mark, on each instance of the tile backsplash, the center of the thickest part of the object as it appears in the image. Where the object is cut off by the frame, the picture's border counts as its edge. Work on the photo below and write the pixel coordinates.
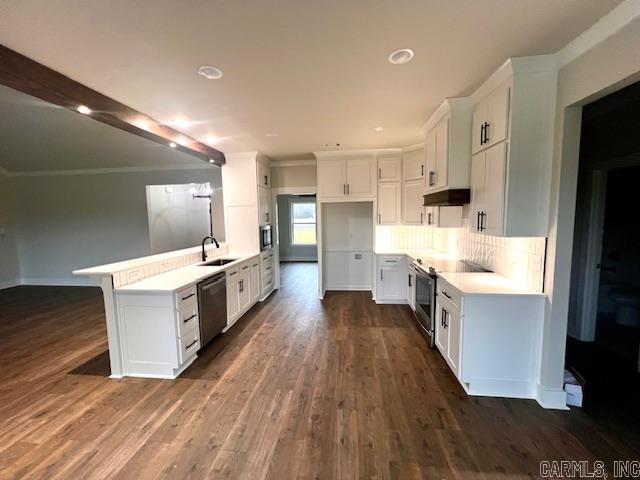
(521, 259)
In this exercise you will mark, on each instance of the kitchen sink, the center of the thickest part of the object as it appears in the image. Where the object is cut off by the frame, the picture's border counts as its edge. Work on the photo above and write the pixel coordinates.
(218, 262)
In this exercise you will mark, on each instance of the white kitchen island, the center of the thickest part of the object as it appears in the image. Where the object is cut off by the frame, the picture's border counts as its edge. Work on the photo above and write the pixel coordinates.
(151, 306)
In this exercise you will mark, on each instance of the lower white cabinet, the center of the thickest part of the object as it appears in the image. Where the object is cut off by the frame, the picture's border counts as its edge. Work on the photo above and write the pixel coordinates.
(267, 268)
(255, 280)
(391, 283)
(242, 283)
(491, 342)
(411, 286)
(233, 299)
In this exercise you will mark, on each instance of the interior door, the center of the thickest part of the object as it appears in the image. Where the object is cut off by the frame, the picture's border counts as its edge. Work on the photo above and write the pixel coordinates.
(360, 175)
(412, 200)
(478, 168)
(331, 178)
(389, 197)
(494, 189)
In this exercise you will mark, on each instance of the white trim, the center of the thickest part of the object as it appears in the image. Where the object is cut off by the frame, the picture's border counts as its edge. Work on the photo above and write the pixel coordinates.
(412, 148)
(10, 283)
(293, 200)
(293, 163)
(300, 259)
(310, 190)
(551, 398)
(446, 107)
(611, 23)
(349, 288)
(347, 153)
(102, 171)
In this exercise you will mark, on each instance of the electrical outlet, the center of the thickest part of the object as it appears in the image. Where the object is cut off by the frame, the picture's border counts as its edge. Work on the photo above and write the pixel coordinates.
(358, 256)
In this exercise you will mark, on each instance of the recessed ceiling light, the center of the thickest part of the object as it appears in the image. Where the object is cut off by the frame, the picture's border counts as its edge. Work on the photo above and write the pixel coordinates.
(211, 160)
(212, 139)
(401, 56)
(379, 129)
(84, 110)
(209, 72)
(173, 145)
(271, 135)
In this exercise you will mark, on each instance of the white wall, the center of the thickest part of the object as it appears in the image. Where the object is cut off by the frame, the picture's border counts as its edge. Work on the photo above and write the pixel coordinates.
(9, 271)
(176, 219)
(66, 222)
(347, 233)
(289, 252)
(612, 63)
(293, 176)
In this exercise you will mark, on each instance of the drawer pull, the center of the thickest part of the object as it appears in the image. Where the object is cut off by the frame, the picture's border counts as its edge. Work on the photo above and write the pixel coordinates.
(191, 344)
(245, 267)
(190, 318)
(268, 268)
(446, 295)
(189, 296)
(254, 265)
(232, 273)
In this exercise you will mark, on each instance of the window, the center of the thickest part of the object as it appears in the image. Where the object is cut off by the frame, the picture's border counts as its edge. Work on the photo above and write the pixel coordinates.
(303, 223)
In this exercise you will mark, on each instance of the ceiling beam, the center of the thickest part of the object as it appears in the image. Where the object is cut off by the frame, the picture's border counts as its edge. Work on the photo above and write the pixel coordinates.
(28, 76)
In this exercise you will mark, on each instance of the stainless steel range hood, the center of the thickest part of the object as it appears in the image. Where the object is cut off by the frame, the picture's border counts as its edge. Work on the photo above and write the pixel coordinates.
(453, 197)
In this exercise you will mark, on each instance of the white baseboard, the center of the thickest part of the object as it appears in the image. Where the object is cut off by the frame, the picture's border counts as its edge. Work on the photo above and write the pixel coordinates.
(552, 398)
(10, 283)
(298, 259)
(348, 288)
(60, 282)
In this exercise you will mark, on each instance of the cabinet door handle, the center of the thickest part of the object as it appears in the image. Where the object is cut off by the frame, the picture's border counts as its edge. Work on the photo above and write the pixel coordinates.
(190, 318)
(483, 216)
(379, 218)
(442, 317)
(267, 215)
(482, 134)
(266, 180)
(348, 189)
(379, 173)
(432, 178)
(429, 218)
(189, 296)
(381, 275)
(344, 188)
(486, 132)
(478, 222)
(409, 280)
(421, 214)
(422, 170)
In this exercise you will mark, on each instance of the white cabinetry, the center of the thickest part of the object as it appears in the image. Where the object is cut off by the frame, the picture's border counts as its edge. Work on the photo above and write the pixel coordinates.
(447, 146)
(412, 201)
(411, 286)
(267, 266)
(264, 173)
(443, 217)
(264, 205)
(513, 149)
(389, 203)
(392, 279)
(491, 342)
(413, 163)
(344, 176)
(389, 168)
(255, 280)
(233, 298)
(241, 288)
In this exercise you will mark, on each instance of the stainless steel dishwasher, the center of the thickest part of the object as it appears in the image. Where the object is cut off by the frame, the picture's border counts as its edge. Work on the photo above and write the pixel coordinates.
(212, 307)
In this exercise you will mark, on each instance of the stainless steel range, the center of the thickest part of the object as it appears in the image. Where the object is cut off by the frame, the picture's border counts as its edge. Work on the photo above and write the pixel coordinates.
(426, 270)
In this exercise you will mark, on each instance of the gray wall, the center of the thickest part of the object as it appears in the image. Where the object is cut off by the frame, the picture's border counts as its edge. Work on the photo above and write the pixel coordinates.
(290, 252)
(9, 271)
(66, 222)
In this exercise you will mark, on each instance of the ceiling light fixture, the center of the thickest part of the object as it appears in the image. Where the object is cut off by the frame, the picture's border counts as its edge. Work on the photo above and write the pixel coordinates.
(173, 145)
(271, 135)
(401, 56)
(209, 72)
(212, 139)
(379, 129)
(211, 160)
(83, 109)
(180, 123)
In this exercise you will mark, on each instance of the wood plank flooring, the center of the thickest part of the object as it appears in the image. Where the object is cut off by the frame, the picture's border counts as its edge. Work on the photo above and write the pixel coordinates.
(299, 388)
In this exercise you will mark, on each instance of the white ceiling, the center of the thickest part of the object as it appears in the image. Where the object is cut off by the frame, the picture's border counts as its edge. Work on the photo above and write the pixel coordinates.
(36, 136)
(313, 72)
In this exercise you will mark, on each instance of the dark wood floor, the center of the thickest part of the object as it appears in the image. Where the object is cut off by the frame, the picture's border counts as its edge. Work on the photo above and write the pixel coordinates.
(298, 388)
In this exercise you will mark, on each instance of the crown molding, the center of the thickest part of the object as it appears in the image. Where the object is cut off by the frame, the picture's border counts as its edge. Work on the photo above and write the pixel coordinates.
(103, 171)
(347, 153)
(413, 148)
(294, 163)
(610, 24)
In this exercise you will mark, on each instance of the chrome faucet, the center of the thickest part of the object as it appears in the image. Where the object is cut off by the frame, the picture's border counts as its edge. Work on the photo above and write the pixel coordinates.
(204, 254)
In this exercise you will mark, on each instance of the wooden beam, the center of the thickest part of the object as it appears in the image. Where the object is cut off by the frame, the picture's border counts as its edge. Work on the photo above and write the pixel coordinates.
(28, 76)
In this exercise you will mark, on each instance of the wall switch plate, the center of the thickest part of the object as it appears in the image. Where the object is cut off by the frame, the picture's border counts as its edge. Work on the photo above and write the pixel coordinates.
(358, 256)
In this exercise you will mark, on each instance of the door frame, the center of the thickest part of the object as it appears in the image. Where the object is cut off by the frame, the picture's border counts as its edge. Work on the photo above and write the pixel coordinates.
(276, 217)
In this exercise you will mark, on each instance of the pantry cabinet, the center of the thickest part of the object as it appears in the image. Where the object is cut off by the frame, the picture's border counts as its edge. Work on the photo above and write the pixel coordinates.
(341, 178)
(264, 205)
(512, 139)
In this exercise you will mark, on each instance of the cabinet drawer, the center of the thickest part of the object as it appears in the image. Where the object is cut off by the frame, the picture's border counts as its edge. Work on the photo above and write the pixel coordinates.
(267, 282)
(265, 255)
(187, 298)
(187, 323)
(390, 260)
(448, 295)
(189, 344)
(267, 268)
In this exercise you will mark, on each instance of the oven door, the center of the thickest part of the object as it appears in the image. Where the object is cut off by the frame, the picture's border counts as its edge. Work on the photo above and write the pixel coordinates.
(425, 303)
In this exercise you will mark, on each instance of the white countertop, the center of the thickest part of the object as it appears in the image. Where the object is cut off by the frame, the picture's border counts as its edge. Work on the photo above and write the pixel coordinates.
(486, 284)
(182, 277)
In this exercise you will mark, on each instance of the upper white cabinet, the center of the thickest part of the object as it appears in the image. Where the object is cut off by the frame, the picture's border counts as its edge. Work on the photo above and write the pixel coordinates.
(389, 202)
(448, 146)
(443, 217)
(513, 126)
(264, 173)
(413, 163)
(346, 176)
(491, 118)
(389, 168)
(264, 205)
(412, 202)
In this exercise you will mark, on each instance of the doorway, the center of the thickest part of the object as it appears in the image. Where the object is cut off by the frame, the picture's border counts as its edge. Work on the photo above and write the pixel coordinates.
(603, 345)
